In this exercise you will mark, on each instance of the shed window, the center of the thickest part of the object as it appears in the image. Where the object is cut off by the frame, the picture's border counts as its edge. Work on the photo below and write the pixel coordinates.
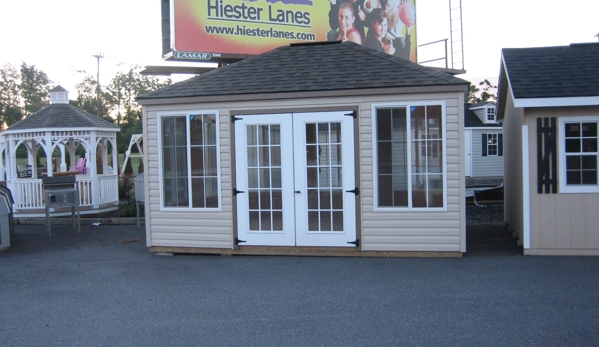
(189, 161)
(578, 150)
(410, 164)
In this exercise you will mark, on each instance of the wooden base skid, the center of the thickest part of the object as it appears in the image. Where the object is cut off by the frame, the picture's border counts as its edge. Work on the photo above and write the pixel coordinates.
(303, 252)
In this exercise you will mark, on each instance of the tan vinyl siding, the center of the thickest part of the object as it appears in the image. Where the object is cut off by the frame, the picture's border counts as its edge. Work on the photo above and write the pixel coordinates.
(562, 223)
(182, 228)
(512, 155)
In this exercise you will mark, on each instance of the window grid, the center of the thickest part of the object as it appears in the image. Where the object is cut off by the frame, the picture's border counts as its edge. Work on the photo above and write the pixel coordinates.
(323, 165)
(492, 144)
(189, 161)
(264, 177)
(491, 114)
(419, 184)
(581, 153)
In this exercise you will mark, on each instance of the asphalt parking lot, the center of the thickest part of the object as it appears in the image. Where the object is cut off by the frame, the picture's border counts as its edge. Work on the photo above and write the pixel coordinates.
(104, 288)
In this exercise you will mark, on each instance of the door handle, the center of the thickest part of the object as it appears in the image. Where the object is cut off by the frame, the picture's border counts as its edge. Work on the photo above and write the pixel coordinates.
(297, 192)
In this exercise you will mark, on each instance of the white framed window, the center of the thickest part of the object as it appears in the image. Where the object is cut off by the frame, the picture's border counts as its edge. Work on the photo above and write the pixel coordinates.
(409, 157)
(189, 160)
(491, 117)
(578, 155)
(492, 144)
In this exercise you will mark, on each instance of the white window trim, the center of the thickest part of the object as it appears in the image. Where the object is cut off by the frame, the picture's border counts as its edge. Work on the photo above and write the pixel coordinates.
(496, 145)
(375, 184)
(563, 187)
(487, 109)
(186, 114)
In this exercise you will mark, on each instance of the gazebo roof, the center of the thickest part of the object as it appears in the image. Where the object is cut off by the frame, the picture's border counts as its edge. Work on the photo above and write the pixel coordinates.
(61, 116)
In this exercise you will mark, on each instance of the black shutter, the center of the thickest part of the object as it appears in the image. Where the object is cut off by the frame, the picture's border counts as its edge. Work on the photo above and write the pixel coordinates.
(484, 145)
(547, 155)
(500, 145)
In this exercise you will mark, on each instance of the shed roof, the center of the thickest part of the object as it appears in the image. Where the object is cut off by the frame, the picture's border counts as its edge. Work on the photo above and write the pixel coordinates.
(308, 68)
(61, 116)
(552, 72)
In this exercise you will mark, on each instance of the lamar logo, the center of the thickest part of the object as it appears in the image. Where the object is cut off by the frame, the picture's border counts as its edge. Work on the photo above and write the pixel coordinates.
(193, 56)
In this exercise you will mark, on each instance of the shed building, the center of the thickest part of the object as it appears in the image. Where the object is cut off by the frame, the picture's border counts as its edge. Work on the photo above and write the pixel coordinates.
(329, 149)
(549, 102)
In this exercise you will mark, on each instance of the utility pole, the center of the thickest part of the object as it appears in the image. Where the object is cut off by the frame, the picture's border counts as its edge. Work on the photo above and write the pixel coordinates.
(98, 57)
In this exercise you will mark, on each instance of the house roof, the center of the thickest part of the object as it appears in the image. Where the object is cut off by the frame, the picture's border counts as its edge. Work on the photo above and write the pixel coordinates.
(482, 104)
(61, 116)
(307, 68)
(471, 120)
(552, 76)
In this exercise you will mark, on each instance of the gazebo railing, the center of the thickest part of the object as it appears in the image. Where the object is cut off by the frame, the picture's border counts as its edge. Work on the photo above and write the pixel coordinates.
(109, 188)
(29, 193)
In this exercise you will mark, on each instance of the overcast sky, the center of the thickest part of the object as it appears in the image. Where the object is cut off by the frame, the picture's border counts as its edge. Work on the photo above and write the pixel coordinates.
(60, 37)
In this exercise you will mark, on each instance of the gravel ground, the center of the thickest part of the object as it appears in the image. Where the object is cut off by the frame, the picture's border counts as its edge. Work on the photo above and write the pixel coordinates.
(485, 214)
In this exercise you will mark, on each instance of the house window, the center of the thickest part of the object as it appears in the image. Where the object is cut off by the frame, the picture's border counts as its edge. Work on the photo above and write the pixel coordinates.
(189, 161)
(578, 150)
(409, 146)
(492, 144)
(491, 114)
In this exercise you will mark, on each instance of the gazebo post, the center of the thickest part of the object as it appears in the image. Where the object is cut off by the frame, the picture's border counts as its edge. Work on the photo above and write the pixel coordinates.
(13, 160)
(63, 163)
(3, 159)
(91, 167)
(71, 149)
(48, 148)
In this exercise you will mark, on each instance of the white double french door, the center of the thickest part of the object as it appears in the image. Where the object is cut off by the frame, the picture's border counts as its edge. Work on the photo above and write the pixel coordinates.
(295, 179)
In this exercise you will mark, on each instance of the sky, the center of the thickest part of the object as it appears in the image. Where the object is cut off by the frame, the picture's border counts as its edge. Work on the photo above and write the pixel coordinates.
(61, 37)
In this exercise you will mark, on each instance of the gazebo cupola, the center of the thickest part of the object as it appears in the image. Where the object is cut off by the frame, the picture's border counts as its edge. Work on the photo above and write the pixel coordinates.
(59, 95)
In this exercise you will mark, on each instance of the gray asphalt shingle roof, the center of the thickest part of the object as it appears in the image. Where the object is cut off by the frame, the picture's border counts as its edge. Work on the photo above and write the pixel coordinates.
(62, 116)
(548, 72)
(309, 67)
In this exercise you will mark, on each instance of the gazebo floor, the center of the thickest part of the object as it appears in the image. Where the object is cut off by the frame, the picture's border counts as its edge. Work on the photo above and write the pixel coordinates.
(65, 211)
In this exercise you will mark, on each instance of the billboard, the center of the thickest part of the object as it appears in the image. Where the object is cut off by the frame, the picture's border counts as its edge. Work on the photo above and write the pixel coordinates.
(220, 30)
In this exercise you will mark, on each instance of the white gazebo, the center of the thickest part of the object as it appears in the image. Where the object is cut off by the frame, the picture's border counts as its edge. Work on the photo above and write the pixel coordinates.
(58, 130)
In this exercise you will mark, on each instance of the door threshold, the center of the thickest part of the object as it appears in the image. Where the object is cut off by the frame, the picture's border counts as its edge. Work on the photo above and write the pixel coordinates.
(304, 252)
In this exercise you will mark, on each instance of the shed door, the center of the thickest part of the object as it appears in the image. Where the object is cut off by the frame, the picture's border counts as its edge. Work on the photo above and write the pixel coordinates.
(294, 172)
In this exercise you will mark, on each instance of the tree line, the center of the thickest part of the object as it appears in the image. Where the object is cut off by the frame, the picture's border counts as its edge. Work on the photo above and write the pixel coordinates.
(26, 90)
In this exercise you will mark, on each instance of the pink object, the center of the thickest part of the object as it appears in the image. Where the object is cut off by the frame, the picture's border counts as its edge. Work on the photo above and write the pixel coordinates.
(407, 13)
(81, 166)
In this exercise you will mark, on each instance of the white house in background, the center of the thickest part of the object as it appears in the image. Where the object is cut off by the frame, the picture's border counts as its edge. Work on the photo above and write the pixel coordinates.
(483, 141)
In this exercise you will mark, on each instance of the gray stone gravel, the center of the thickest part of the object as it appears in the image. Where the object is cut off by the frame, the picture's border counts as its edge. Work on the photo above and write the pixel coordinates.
(484, 214)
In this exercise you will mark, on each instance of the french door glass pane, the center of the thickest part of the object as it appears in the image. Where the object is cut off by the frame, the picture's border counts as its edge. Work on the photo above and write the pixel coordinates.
(264, 177)
(324, 176)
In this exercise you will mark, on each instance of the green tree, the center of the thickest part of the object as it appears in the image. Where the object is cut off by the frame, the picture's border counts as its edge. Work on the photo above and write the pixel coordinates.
(87, 98)
(487, 93)
(121, 96)
(124, 88)
(10, 101)
(35, 89)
